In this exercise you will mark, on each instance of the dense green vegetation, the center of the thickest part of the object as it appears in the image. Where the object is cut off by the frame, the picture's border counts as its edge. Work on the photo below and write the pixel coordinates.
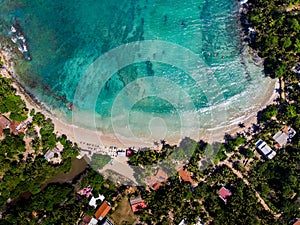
(23, 168)
(277, 41)
(241, 208)
(10, 102)
(99, 161)
(59, 203)
(99, 184)
(278, 35)
(55, 203)
(278, 182)
(176, 200)
(149, 157)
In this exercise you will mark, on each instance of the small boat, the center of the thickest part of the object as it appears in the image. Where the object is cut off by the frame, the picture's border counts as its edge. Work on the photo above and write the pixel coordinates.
(243, 1)
(22, 38)
(251, 30)
(14, 39)
(25, 48)
(13, 29)
(28, 57)
(70, 106)
(21, 48)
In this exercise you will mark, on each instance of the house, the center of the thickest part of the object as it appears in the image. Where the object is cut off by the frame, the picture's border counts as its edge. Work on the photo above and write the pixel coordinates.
(296, 222)
(121, 153)
(283, 136)
(22, 126)
(14, 127)
(93, 201)
(129, 152)
(296, 68)
(265, 149)
(243, 1)
(186, 176)
(50, 154)
(137, 204)
(85, 191)
(182, 222)
(107, 222)
(102, 211)
(86, 220)
(199, 222)
(93, 221)
(4, 124)
(156, 186)
(155, 182)
(224, 193)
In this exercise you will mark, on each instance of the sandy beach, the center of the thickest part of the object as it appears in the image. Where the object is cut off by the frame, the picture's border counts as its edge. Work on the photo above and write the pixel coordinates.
(95, 140)
(85, 138)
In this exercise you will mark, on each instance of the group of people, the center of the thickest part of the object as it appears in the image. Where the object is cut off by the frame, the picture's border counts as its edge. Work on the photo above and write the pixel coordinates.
(208, 54)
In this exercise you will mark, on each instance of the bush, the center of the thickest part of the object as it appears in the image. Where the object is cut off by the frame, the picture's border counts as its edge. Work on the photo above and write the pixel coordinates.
(99, 161)
(270, 112)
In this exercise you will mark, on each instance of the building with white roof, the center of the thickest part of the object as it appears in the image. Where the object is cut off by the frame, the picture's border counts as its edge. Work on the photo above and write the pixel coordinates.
(93, 201)
(283, 136)
(265, 149)
(93, 221)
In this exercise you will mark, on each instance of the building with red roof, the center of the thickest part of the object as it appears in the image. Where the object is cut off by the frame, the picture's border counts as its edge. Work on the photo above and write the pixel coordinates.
(13, 127)
(297, 222)
(86, 220)
(155, 182)
(156, 186)
(4, 123)
(186, 176)
(224, 193)
(102, 210)
(129, 152)
(137, 204)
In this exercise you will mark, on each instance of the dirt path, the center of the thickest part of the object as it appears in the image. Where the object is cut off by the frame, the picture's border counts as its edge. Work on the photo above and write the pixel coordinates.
(293, 7)
(260, 199)
(121, 167)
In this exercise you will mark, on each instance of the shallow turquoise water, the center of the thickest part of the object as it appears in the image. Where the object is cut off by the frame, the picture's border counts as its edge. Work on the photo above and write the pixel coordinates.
(64, 39)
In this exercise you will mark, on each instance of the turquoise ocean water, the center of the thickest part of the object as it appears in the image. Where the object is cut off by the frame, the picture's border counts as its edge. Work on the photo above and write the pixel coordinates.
(65, 37)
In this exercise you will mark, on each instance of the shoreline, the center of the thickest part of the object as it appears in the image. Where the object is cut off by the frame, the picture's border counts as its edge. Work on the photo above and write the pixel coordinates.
(96, 141)
(92, 140)
(91, 137)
